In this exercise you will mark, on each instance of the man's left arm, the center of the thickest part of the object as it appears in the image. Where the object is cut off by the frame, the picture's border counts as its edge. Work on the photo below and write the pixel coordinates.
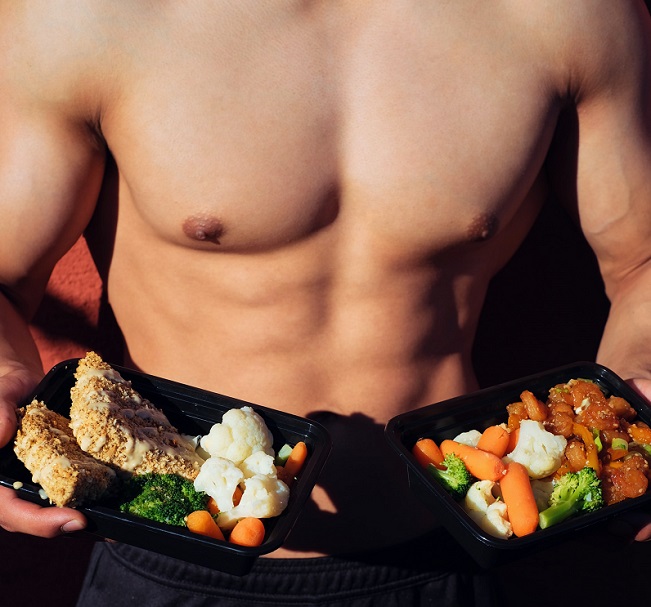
(607, 148)
(601, 165)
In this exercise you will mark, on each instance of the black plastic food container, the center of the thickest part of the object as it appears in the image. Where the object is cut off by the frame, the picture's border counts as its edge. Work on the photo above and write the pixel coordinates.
(478, 411)
(193, 412)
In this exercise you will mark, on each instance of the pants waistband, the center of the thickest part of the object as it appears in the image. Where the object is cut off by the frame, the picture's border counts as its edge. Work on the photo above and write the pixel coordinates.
(431, 557)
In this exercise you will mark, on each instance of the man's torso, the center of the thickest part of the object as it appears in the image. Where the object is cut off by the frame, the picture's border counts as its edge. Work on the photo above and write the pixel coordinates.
(332, 186)
(309, 199)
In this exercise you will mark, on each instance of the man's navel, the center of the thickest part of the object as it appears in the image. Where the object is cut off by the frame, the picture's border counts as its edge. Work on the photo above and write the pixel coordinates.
(203, 227)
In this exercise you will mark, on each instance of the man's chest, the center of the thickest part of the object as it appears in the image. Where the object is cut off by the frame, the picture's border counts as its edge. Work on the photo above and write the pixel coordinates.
(276, 135)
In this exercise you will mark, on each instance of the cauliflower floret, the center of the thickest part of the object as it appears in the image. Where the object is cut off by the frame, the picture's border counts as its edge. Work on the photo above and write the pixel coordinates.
(240, 451)
(542, 489)
(496, 521)
(481, 495)
(470, 438)
(240, 433)
(258, 463)
(484, 506)
(219, 478)
(263, 497)
(539, 451)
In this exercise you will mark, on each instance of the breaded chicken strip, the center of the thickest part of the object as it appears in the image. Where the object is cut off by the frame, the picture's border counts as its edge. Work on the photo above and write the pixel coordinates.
(46, 446)
(116, 425)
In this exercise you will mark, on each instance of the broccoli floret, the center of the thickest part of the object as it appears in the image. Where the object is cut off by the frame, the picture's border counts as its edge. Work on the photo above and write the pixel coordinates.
(165, 498)
(455, 478)
(574, 492)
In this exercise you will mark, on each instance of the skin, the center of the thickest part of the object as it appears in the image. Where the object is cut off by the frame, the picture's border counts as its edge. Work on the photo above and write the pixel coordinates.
(301, 204)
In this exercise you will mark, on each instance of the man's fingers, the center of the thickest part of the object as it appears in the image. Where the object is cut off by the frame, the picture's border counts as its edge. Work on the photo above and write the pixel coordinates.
(640, 523)
(7, 425)
(18, 515)
(631, 526)
(15, 385)
(642, 386)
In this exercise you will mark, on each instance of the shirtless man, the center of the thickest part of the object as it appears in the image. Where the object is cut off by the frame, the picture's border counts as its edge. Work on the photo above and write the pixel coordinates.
(301, 203)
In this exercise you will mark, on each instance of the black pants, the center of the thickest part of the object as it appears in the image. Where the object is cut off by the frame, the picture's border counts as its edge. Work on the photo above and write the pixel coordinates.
(432, 571)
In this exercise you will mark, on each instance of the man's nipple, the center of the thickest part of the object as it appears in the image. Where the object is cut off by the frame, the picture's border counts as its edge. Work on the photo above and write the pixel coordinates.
(483, 227)
(203, 228)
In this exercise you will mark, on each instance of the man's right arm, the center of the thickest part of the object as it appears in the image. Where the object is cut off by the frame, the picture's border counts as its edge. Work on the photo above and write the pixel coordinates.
(20, 370)
(51, 167)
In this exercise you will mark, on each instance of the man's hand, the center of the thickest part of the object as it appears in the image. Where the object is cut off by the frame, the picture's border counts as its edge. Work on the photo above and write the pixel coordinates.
(18, 515)
(642, 387)
(16, 382)
(25, 517)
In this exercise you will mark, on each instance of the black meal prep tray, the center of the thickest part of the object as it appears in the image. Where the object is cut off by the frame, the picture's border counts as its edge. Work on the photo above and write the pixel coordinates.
(193, 411)
(479, 410)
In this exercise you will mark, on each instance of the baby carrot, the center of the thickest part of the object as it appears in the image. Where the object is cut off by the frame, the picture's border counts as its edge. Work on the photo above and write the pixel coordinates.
(202, 522)
(237, 495)
(514, 435)
(248, 532)
(426, 452)
(294, 464)
(481, 464)
(296, 459)
(519, 499)
(495, 440)
(212, 506)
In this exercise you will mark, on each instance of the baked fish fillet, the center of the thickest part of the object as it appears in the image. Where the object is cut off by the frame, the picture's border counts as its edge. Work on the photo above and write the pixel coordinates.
(46, 446)
(117, 426)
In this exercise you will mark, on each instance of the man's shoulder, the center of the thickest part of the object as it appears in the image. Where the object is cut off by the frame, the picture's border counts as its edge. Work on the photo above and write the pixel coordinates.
(579, 15)
(579, 21)
(30, 21)
(57, 49)
(594, 42)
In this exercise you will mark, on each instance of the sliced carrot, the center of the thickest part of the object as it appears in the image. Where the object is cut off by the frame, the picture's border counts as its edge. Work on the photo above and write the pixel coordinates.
(296, 459)
(495, 440)
(616, 454)
(202, 522)
(591, 452)
(618, 464)
(481, 464)
(248, 532)
(519, 499)
(564, 468)
(427, 452)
